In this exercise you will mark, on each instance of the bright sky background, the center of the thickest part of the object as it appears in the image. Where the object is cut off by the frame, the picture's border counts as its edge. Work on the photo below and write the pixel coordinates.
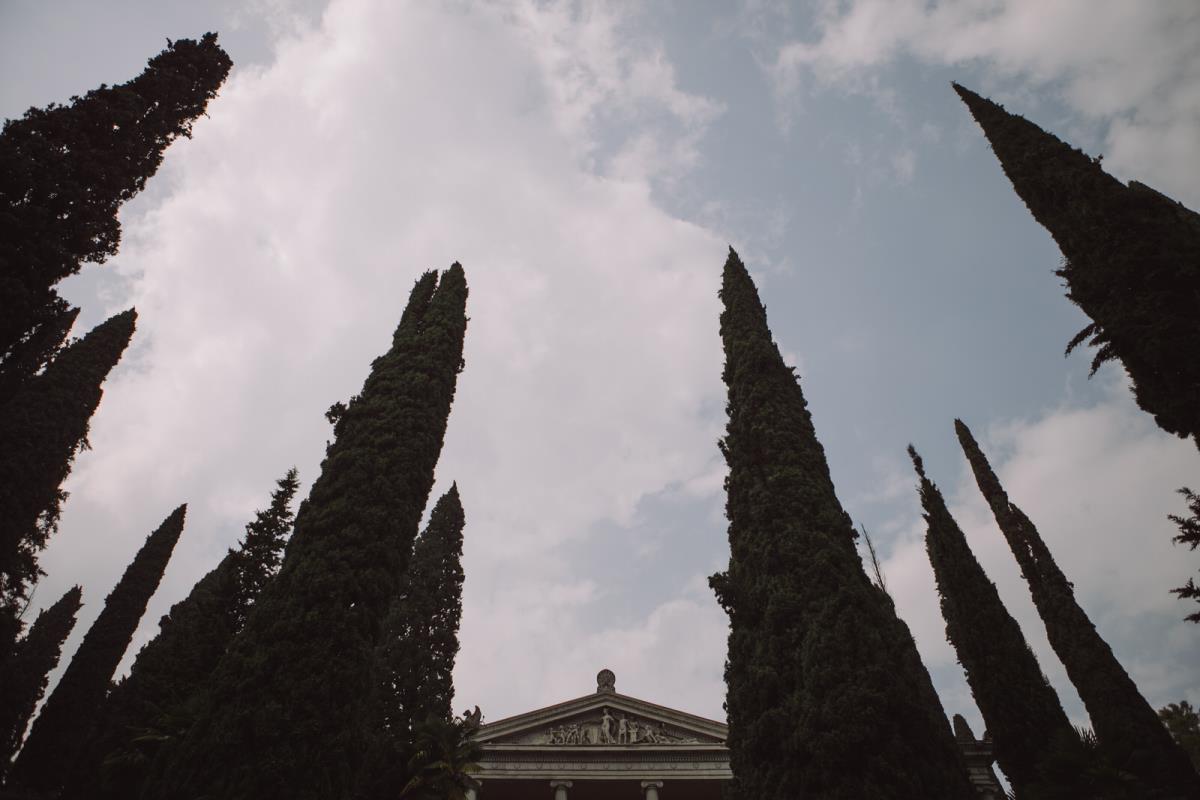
(589, 163)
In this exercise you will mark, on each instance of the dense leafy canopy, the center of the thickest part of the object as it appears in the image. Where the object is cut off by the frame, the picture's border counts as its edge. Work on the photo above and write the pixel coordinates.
(826, 694)
(155, 703)
(1021, 710)
(66, 170)
(24, 676)
(416, 652)
(1189, 534)
(1132, 261)
(1129, 731)
(41, 429)
(62, 727)
(285, 713)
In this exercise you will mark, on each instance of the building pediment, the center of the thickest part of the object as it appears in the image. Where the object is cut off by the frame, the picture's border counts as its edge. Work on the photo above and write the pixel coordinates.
(603, 719)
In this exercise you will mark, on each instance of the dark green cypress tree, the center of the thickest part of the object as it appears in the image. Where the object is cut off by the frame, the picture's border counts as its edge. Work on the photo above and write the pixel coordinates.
(65, 722)
(415, 655)
(1130, 734)
(261, 549)
(826, 693)
(1021, 710)
(66, 170)
(41, 429)
(288, 704)
(1132, 261)
(1189, 534)
(155, 703)
(23, 677)
(36, 351)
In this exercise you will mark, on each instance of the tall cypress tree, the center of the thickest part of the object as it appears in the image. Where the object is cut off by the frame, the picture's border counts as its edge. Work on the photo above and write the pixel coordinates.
(36, 351)
(41, 429)
(1132, 261)
(826, 693)
(1129, 731)
(62, 728)
(288, 702)
(1022, 712)
(23, 677)
(157, 700)
(66, 170)
(416, 652)
(1189, 534)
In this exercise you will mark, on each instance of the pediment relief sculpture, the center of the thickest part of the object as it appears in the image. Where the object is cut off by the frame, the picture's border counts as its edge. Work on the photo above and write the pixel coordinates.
(615, 728)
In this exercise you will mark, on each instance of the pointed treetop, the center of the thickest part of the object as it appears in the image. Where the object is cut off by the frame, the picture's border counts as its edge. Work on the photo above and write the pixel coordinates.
(61, 729)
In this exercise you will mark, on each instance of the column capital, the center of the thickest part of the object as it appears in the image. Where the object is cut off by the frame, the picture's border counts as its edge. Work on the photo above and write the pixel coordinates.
(563, 784)
(652, 784)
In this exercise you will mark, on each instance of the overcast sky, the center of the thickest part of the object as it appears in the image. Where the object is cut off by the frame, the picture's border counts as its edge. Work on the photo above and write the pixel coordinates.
(589, 164)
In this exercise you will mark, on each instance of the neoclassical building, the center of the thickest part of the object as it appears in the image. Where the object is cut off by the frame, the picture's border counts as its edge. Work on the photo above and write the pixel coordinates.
(609, 746)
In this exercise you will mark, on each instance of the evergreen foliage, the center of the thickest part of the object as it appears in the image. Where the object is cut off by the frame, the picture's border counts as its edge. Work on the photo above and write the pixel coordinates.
(62, 728)
(1021, 710)
(1129, 731)
(41, 429)
(1189, 534)
(444, 754)
(23, 677)
(37, 350)
(826, 694)
(1132, 261)
(66, 170)
(287, 707)
(1184, 725)
(415, 656)
(261, 549)
(155, 703)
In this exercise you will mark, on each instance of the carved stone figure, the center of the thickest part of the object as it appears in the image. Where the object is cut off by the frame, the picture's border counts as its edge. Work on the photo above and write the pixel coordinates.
(633, 731)
(606, 722)
(622, 730)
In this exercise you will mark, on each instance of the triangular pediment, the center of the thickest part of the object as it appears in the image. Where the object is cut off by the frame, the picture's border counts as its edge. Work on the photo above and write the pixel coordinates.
(604, 719)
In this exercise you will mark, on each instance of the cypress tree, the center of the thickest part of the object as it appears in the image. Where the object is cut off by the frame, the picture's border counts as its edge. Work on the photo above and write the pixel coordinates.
(41, 429)
(415, 656)
(294, 688)
(1129, 731)
(37, 350)
(1189, 534)
(1132, 261)
(62, 727)
(826, 694)
(1021, 710)
(158, 698)
(66, 170)
(23, 677)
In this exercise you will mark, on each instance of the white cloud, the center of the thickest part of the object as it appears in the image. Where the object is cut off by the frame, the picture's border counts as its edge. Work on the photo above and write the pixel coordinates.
(1098, 481)
(394, 138)
(1134, 67)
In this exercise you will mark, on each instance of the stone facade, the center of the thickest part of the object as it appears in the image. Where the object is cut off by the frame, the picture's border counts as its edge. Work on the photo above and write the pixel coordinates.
(609, 746)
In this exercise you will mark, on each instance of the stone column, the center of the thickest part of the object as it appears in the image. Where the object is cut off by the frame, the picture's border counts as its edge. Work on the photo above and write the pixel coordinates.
(472, 793)
(560, 789)
(651, 789)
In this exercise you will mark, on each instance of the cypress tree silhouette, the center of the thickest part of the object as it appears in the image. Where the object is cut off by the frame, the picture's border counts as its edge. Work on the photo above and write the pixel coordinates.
(155, 703)
(1129, 731)
(1023, 714)
(41, 429)
(1189, 534)
(1132, 261)
(36, 351)
(287, 706)
(65, 722)
(819, 670)
(23, 677)
(415, 655)
(66, 170)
